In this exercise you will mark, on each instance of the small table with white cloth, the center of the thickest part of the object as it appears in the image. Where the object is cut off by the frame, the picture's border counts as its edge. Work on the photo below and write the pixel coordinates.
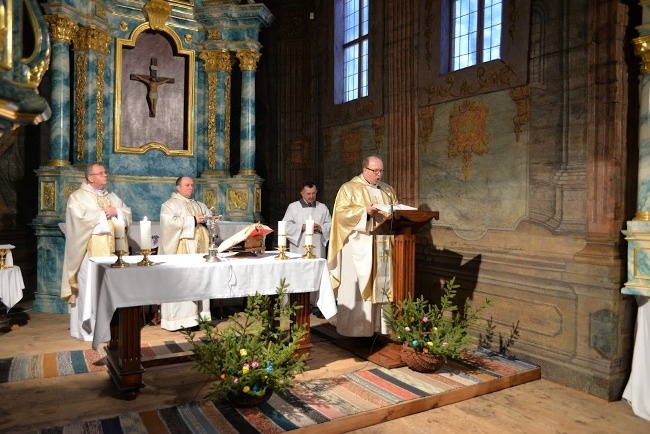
(118, 293)
(11, 279)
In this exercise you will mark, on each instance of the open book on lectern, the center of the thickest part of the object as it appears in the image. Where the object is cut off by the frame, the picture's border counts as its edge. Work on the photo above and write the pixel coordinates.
(388, 208)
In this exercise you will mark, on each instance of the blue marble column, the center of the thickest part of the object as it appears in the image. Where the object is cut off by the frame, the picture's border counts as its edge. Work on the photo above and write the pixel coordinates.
(638, 230)
(248, 64)
(62, 30)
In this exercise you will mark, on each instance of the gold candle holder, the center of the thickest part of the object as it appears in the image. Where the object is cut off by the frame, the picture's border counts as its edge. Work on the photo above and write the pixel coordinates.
(309, 254)
(119, 263)
(3, 253)
(282, 255)
(145, 258)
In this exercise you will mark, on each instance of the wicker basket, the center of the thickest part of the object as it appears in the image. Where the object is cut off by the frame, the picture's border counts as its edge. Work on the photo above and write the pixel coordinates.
(421, 362)
(245, 400)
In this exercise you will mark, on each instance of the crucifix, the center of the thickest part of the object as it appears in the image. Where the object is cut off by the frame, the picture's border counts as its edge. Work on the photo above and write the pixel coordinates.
(152, 81)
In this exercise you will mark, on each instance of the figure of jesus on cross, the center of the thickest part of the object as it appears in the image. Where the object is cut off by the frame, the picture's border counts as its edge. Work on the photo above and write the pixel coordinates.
(152, 81)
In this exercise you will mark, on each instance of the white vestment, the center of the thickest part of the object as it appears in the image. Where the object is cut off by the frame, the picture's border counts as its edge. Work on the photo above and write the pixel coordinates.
(637, 390)
(87, 233)
(360, 263)
(296, 215)
(180, 234)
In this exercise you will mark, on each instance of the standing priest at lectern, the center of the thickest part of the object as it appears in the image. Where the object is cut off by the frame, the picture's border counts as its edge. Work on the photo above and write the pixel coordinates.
(361, 264)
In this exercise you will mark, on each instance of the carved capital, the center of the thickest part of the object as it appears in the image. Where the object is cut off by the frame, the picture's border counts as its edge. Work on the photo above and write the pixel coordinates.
(642, 49)
(248, 59)
(92, 38)
(61, 28)
(220, 60)
(157, 12)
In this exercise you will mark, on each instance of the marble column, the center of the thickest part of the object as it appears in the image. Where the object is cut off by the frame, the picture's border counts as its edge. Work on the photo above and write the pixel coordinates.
(62, 29)
(248, 64)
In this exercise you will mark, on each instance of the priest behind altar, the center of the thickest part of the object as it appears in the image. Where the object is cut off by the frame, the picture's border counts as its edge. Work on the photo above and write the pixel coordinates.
(182, 231)
(360, 263)
(92, 218)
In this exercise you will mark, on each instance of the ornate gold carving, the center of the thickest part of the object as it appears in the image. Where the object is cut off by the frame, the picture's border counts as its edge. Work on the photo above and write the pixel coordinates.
(81, 62)
(157, 12)
(427, 114)
(36, 73)
(468, 134)
(248, 59)
(226, 132)
(484, 79)
(48, 196)
(61, 28)
(642, 216)
(101, 67)
(214, 34)
(258, 200)
(124, 26)
(210, 198)
(92, 38)
(237, 199)
(642, 49)
(6, 25)
(212, 122)
(219, 60)
(188, 37)
(58, 163)
(379, 126)
(520, 96)
(69, 188)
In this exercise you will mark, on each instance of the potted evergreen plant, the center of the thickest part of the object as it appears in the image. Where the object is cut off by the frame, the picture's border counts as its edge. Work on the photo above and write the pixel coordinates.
(431, 333)
(254, 355)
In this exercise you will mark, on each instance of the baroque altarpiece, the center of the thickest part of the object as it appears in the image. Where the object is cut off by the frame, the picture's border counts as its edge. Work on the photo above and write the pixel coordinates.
(145, 88)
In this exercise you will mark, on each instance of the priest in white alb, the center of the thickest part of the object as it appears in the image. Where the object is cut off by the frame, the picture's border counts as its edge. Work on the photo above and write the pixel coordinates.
(360, 263)
(183, 231)
(94, 218)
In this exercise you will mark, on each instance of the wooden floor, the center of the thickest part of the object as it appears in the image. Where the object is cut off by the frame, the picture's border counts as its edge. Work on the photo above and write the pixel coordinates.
(536, 407)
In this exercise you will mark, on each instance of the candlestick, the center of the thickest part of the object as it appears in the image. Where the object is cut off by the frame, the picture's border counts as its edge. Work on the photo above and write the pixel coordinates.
(309, 254)
(282, 255)
(145, 262)
(282, 227)
(309, 226)
(119, 263)
(145, 234)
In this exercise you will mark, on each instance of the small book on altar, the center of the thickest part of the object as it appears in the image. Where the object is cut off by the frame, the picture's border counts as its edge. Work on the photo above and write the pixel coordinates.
(251, 238)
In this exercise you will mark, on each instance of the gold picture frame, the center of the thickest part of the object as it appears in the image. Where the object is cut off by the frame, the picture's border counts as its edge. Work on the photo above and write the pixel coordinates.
(144, 122)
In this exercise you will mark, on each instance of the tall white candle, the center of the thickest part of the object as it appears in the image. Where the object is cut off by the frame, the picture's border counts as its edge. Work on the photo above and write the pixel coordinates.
(145, 234)
(282, 240)
(282, 227)
(309, 240)
(120, 240)
(309, 226)
(120, 245)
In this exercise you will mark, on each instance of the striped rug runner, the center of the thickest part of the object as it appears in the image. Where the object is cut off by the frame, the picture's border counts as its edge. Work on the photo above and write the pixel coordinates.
(352, 400)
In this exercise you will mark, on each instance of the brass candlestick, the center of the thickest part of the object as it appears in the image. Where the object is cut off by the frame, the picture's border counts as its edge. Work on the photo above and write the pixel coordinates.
(119, 263)
(3, 253)
(309, 254)
(282, 255)
(145, 258)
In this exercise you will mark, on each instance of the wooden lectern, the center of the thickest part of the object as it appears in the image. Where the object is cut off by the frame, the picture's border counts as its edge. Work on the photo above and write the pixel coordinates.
(404, 224)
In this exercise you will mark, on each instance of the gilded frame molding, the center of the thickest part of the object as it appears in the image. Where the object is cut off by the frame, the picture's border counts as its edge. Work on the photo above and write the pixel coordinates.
(188, 150)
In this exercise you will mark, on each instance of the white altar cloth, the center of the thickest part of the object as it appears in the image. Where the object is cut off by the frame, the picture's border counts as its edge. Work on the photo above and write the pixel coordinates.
(11, 286)
(190, 277)
(637, 390)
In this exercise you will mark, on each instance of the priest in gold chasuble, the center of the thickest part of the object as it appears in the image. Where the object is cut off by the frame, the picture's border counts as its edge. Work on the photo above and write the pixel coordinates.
(360, 263)
(182, 231)
(93, 215)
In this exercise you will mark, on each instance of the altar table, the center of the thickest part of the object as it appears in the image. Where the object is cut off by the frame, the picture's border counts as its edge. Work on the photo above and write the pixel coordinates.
(118, 293)
(11, 286)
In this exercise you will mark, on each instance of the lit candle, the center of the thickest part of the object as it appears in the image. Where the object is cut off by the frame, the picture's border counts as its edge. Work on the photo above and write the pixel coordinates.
(282, 228)
(145, 234)
(282, 240)
(309, 226)
(309, 241)
(120, 242)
